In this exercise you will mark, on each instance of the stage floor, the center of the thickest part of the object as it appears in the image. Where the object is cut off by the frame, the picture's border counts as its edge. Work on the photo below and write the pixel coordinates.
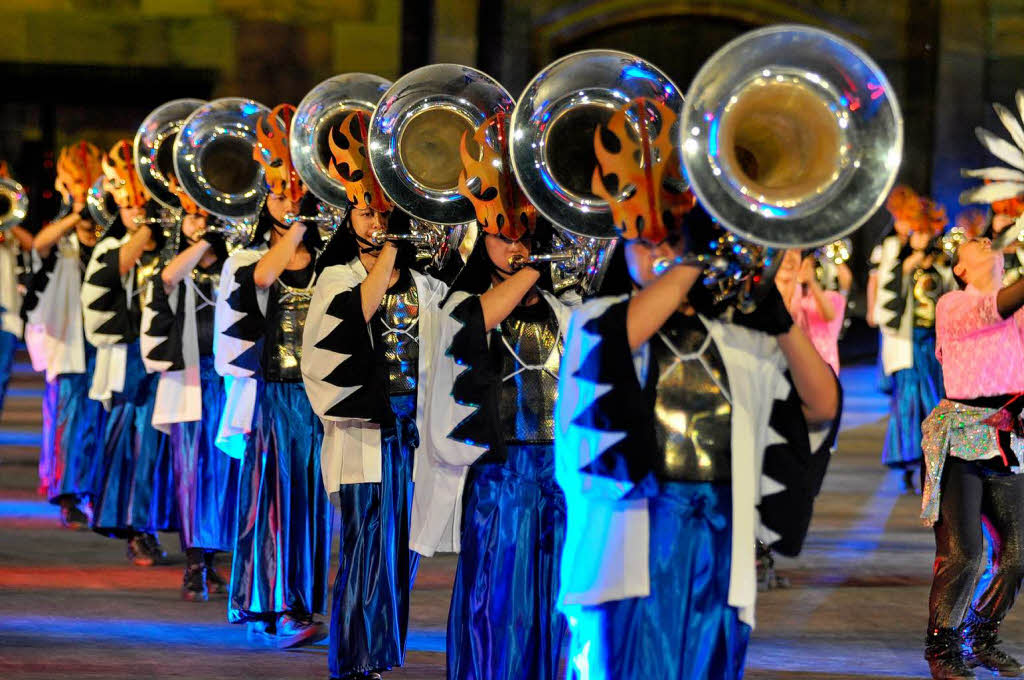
(72, 607)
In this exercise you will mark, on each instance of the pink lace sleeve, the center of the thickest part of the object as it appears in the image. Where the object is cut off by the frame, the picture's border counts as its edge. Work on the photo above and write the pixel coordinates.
(960, 313)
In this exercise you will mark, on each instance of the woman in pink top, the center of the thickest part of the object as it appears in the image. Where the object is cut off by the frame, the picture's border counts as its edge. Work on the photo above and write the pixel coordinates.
(818, 312)
(971, 445)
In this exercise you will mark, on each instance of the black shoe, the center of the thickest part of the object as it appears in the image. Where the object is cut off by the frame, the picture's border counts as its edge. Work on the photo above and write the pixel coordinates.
(945, 655)
(767, 577)
(908, 482)
(138, 552)
(981, 637)
(71, 516)
(193, 587)
(215, 583)
(154, 550)
(295, 630)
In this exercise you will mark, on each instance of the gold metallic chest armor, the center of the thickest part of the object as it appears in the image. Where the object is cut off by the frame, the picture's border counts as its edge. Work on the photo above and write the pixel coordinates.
(396, 336)
(282, 354)
(692, 412)
(144, 271)
(926, 288)
(531, 351)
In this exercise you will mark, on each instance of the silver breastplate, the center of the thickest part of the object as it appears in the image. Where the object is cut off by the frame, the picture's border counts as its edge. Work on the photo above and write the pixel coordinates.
(532, 353)
(396, 327)
(283, 352)
(692, 413)
(145, 269)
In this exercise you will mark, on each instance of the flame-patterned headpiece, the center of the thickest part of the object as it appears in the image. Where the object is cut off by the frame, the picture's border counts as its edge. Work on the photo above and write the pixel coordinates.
(351, 164)
(272, 152)
(5, 170)
(78, 167)
(121, 179)
(502, 208)
(935, 217)
(920, 213)
(187, 204)
(634, 172)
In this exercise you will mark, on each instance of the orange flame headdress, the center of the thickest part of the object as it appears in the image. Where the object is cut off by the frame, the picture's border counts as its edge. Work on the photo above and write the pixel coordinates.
(1013, 207)
(351, 165)
(5, 170)
(633, 170)
(187, 204)
(121, 179)
(919, 212)
(78, 167)
(935, 218)
(501, 207)
(273, 154)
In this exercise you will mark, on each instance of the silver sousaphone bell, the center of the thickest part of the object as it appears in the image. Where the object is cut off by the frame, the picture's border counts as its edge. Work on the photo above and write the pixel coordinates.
(318, 114)
(13, 203)
(101, 204)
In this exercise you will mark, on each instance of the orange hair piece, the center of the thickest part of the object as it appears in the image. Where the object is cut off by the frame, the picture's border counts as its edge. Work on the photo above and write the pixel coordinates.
(273, 153)
(351, 165)
(642, 201)
(120, 176)
(79, 165)
(501, 207)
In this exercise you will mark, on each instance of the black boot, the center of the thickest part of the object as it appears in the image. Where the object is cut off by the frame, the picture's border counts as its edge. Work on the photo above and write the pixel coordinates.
(943, 650)
(981, 637)
(908, 482)
(193, 586)
(155, 551)
(71, 516)
(767, 577)
(215, 583)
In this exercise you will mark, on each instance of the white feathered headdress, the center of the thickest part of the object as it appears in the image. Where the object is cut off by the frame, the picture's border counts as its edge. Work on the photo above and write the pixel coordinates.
(1001, 183)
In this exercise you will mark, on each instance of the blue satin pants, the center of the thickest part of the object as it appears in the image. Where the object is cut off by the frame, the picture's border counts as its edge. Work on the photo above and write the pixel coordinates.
(685, 629)
(503, 623)
(80, 423)
(370, 607)
(916, 391)
(50, 469)
(136, 493)
(206, 478)
(283, 548)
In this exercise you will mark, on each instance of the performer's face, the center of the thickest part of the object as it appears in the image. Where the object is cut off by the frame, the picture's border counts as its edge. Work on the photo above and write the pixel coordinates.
(978, 264)
(280, 205)
(641, 256)
(789, 267)
(501, 250)
(193, 226)
(365, 221)
(903, 228)
(128, 216)
(86, 232)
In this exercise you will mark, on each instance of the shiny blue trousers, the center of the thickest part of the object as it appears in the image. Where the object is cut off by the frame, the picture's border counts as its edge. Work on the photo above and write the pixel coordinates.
(685, 629)
(370, 607)
(283, 548)
(206, 478)
(8, 343)
(49, 469)
(916, 391)
(80, 423)
(503, 623)
(137, 489)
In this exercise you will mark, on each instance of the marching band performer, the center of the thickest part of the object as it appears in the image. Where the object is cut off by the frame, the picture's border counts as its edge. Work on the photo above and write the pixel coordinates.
(909, 280)
(818, 312)
(178, 342)
(13, 239)
(54, 305)
(366, 360)
(667, 447)
(136, 489)
(281, 554)
(491, 429)
(971, 448)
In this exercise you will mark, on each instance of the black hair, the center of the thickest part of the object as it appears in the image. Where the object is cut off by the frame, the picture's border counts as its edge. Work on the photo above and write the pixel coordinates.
(476, 276)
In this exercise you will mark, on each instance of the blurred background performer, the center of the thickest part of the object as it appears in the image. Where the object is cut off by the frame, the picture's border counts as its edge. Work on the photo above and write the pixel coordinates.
(369, 343)
(658, 569)
(136, 491)
(910, 278)
(972, 451)
(818, 312)
(178, 341)
(13, 239)
(279, 568)
(492, 425)
(55, 308)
